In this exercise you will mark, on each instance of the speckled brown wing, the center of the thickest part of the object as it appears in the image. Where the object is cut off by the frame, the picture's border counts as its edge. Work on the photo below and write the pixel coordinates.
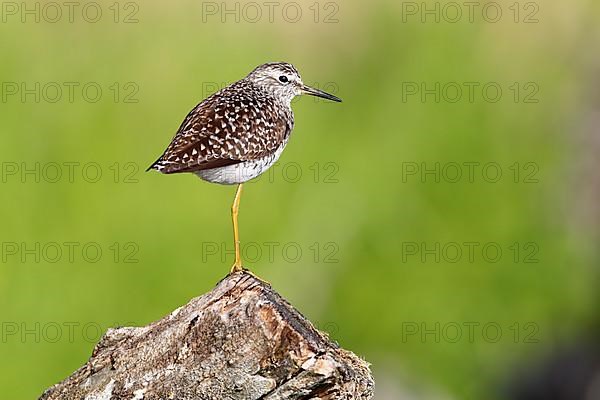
(237, 124)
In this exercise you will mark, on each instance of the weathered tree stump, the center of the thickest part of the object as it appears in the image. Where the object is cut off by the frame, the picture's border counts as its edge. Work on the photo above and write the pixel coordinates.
(240, 341)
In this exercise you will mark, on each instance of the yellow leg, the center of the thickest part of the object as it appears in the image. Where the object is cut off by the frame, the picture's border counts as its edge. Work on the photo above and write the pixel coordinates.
(237, 265)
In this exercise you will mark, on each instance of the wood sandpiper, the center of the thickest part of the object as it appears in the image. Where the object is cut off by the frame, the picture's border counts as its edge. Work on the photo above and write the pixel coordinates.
(239, 132)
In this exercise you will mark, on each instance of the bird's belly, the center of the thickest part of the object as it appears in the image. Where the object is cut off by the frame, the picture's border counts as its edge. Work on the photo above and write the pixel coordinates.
(241, 172)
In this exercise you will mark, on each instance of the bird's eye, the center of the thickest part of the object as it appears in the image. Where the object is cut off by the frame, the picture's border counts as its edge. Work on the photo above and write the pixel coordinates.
(283, 79)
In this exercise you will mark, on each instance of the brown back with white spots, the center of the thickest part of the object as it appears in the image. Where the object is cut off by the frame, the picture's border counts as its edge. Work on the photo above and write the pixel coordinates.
(242, 122)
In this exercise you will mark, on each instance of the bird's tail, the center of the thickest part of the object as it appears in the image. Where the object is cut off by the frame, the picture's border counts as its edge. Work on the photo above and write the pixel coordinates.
(155, 165)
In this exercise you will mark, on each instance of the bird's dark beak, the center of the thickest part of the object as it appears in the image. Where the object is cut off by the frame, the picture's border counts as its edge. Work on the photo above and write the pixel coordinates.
(319, 93)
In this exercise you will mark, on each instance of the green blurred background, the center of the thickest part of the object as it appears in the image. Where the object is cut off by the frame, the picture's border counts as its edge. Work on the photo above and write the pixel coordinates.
(343, 193)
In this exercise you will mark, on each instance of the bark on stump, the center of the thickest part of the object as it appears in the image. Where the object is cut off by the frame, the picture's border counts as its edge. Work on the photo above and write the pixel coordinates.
(241, 340)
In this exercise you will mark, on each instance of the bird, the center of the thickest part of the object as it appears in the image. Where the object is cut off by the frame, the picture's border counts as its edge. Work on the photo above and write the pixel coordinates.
(239, 132)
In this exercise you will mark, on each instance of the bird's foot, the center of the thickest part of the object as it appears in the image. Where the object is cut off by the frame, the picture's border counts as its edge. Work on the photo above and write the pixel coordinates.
(235, 269)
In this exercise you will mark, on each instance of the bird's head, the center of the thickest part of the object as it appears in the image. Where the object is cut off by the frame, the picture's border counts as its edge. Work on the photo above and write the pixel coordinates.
(283, 80)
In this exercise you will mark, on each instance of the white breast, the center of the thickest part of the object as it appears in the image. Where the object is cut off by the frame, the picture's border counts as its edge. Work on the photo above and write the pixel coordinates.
(241, 172)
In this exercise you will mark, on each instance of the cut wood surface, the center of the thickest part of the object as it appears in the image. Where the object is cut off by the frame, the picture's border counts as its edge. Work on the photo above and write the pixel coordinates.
(241, 340)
